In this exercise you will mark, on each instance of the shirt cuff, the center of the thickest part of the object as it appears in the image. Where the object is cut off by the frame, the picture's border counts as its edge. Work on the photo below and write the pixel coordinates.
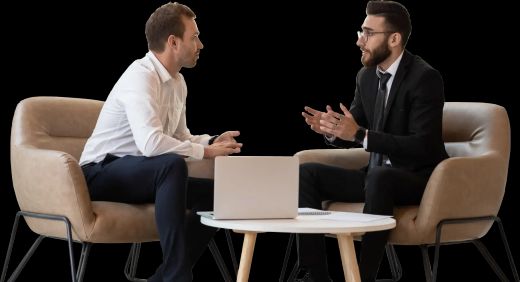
(330, 138)
(197, 151)
(365, 140)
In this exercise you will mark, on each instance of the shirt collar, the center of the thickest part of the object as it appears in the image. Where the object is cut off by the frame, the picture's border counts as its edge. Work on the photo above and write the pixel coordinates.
(164, 75)
(393, 68)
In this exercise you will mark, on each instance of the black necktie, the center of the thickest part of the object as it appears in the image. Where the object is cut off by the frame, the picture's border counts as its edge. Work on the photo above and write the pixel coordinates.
(376, 159)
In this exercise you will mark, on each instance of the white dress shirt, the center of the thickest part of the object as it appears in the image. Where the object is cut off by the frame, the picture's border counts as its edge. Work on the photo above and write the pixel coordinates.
(144, 115)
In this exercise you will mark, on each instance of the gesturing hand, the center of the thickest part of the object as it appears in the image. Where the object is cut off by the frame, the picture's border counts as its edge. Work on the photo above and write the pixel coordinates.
(312, 118)
(228, 136)
(225, 144)
(340, 125)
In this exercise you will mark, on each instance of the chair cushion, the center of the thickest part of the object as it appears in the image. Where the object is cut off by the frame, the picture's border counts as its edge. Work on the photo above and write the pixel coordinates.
(123, 223)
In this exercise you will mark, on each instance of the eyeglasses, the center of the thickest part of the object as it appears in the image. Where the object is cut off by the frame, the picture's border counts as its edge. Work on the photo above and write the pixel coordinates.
(366, 34)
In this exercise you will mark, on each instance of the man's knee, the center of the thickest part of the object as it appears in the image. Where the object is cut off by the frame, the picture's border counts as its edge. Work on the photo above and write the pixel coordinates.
(309, 170)
(175, 164)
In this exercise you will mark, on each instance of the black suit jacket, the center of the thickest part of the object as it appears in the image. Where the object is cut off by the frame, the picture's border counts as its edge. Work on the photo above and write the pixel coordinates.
(412, 130)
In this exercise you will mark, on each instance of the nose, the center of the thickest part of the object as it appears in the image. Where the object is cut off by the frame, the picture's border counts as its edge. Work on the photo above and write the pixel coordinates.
(360, 42)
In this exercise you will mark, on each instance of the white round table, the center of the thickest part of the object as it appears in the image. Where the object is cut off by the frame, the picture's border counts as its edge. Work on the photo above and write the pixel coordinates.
(345, 230)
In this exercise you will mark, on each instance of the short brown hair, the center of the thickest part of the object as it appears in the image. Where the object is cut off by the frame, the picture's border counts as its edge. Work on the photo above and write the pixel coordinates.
(166, 21)
(396, 17)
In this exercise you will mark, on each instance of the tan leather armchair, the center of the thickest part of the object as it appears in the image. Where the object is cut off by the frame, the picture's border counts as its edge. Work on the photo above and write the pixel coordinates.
(47, 138)
(464, 193)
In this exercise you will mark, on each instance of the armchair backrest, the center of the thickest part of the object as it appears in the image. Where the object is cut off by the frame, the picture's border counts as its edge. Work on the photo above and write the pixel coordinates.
(47, 138)
(474, 129)
(472, 181)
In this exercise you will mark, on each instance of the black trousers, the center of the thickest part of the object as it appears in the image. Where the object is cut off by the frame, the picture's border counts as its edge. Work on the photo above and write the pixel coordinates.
(381, 188)
(162, 180)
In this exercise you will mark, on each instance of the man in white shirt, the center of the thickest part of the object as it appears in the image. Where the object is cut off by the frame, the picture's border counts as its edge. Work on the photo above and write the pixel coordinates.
(137, 151)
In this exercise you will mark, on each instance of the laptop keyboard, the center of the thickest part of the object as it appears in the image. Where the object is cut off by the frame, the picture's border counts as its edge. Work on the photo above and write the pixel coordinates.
(317, 212)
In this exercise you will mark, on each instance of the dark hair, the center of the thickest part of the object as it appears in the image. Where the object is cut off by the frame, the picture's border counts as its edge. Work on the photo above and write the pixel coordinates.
(166, 21)
(397, 18)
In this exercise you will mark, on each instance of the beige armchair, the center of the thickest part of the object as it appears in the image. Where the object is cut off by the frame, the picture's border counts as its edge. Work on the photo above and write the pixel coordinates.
(464, 193)
(47, 138)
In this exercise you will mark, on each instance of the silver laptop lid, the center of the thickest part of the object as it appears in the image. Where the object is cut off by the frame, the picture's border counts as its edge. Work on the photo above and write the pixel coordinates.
(248, 187)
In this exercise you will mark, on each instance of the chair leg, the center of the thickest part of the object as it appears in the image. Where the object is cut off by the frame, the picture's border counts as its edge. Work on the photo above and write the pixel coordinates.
(508, 250)
(25, 259)
(82, 265)
(10, 247)
(426, 263)
(483, 250)
(36, 243)
(219, 260)
(71, 250)
(490, 260)
(286, 257)
(131, 263)
(231, 251)
(294, 270)
(395, 264)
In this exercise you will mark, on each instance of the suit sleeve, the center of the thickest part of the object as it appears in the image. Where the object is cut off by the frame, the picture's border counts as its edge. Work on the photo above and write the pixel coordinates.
(356, 109)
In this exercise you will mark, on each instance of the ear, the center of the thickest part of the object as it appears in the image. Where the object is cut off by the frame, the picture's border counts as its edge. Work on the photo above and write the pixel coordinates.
(395, 39)
(172, 41)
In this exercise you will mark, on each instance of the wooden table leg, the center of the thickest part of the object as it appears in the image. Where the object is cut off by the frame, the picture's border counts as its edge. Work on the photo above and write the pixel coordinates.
(348, 257)
(248, 247)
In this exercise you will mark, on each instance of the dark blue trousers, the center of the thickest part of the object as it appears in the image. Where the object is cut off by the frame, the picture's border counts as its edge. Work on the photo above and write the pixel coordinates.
(162, 180)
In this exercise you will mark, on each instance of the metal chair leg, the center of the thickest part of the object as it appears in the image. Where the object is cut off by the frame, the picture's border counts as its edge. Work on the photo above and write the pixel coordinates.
(82, 265)
(286, 257)
(36, 243)
(219, 260)
(231, 251)
(483, 250)
(10, 247)
(395, 264)
(294, 270)
(508, 250)
(131, 263)
(25, 259)
(490, 260)
(426, 263)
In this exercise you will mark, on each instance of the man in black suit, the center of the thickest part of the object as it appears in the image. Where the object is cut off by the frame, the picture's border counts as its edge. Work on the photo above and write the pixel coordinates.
(402, 130)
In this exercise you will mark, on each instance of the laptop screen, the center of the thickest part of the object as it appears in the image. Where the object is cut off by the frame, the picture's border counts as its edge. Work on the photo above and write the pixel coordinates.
(248, 187)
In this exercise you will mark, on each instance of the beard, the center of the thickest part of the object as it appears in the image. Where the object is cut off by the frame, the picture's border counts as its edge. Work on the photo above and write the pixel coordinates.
(378, 55)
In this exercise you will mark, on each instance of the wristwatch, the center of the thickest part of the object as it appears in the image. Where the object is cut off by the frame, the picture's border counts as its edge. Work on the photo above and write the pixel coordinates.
(212, 139)
(359, 137)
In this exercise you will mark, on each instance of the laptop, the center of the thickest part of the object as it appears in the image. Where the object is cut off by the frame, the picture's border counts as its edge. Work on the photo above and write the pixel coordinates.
(255, 187)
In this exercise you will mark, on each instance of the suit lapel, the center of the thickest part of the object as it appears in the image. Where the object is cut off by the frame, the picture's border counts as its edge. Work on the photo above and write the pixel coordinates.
(372, 87)
(399, 76)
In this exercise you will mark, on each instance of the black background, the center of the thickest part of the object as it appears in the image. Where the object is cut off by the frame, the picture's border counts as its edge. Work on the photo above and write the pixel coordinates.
(262, 62)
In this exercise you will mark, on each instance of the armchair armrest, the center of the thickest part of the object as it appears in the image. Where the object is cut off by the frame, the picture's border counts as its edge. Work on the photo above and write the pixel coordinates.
(51, 182)
(204, 168)
(463, 187)
(355, 158)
